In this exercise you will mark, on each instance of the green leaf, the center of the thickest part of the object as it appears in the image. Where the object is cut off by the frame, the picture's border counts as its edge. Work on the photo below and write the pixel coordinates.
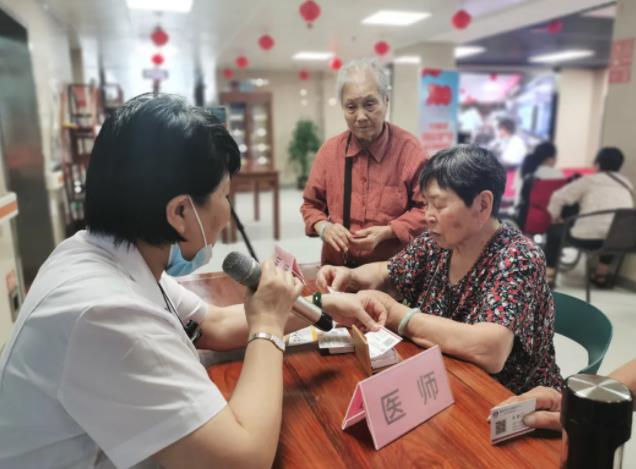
(304, 142)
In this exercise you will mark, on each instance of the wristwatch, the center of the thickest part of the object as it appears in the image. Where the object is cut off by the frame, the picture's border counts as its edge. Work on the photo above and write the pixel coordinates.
(277, 341)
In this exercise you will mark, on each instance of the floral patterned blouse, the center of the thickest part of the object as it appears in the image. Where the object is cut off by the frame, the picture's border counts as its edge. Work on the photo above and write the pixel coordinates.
(506, 286)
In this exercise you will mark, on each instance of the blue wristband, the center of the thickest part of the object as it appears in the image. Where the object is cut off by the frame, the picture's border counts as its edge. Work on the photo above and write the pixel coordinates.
(405, 320)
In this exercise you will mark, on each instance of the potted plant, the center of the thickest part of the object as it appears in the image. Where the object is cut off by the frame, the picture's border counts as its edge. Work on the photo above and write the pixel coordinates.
(305, 142)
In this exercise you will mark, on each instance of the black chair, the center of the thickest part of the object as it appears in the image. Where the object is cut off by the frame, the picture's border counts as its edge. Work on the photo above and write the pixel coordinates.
(620, 240)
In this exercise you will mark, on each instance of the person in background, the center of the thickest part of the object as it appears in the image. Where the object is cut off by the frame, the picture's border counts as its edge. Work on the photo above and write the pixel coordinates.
(541, 163)
(470, 122)
(101, 368)
(472, 285)
(537, 165)
(509, 147)
(605, 190)
(548, 413)
(385, 210)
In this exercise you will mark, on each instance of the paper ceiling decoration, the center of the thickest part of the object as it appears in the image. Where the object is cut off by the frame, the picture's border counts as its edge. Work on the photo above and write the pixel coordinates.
(310, 11)
(461, 19)
(241, 61)
(159, 37)
(381, 48)
(266, 42)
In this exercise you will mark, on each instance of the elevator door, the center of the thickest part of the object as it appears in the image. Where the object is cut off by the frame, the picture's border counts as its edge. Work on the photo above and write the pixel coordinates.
(22, 147)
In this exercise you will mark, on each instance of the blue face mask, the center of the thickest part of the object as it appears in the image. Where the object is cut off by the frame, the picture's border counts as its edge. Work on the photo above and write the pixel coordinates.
(178, 266)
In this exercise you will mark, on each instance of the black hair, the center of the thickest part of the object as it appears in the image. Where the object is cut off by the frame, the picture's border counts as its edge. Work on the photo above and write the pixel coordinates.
(542, 152)
(467, 170)
(508, 124)
(148, 151)
(609, 159)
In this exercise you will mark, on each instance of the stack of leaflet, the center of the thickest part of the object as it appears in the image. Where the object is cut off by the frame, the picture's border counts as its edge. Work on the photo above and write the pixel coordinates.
(336, 341)
(375, 350)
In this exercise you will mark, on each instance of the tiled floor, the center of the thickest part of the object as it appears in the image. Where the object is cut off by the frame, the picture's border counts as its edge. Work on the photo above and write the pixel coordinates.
(617, 304)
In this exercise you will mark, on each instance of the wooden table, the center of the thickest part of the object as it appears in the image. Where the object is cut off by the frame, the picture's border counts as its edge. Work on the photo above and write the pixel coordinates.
(256, 180)
(317, 392)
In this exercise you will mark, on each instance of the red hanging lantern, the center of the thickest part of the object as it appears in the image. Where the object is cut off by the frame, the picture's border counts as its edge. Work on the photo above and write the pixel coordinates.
(159, 37)
(310, 11)
(335, 63)
(554, 27)
(266, 42)
(157, 59)
(461, 19)
(381, 48)
(303, 75)
(228, 73)
(242, 62)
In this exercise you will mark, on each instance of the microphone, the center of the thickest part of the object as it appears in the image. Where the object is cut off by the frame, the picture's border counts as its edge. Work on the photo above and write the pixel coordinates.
(247, 271)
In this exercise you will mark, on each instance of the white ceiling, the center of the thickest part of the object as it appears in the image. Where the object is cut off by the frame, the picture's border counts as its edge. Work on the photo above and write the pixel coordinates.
(222, 30)
(215, 32)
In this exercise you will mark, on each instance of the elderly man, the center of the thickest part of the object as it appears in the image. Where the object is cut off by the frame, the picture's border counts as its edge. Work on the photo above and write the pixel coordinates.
(362, 195)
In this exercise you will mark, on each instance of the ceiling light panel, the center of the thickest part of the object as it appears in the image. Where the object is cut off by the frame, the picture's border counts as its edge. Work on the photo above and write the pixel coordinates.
(307, 55)
(467, 51)
(173, 6)
(561, 56)
(395, 18)
(407, 59)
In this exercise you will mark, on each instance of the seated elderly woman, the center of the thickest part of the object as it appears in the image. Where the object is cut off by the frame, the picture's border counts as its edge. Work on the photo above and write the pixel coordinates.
(472, 285)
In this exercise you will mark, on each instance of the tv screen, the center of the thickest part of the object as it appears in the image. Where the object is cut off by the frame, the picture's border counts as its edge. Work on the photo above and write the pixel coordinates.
(526, 99)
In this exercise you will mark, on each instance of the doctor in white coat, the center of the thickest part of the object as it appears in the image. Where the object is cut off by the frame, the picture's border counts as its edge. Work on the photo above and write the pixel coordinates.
(101, 369)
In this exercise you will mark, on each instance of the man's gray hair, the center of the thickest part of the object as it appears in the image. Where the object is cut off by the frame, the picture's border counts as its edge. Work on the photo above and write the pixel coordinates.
(361, 66)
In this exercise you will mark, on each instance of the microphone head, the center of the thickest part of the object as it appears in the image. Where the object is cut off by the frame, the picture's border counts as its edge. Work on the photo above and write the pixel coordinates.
(242, 268)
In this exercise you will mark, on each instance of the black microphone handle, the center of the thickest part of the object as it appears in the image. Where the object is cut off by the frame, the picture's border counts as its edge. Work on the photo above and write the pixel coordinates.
(325, 323)
(312, 313)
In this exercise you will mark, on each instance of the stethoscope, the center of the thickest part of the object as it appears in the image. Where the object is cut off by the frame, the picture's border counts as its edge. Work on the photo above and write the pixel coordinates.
(191, 328)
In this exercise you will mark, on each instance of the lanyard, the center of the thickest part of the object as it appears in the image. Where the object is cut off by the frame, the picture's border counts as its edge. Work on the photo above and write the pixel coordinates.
(192, 329)
(346, 205)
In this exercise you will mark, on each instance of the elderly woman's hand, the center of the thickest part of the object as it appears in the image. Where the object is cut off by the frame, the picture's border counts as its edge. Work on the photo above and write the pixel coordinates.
(337, 278)
(384, 298)
(366, 313)
(366, 240)
(337, 236)
(547, 415)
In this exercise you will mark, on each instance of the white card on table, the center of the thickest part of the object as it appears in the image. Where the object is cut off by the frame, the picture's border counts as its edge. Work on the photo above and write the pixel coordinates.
(337, 340)
(506, 421)
(381, 341)
(303, 336)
